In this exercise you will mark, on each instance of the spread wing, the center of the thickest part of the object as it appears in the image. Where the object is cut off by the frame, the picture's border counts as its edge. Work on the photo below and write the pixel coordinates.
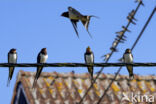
(74, 23)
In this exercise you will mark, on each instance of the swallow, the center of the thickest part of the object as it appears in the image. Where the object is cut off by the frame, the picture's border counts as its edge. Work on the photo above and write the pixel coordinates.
(89, 59)
(41, 58)
(130, 20)
(120, 37)
(140, 1)
(120, 40)
(114, 49)
(115, 43)
(106, 56)
(121, 33)
(128, 58)
(12, 59)
(75, 17)
(125, 29)
(131, 15)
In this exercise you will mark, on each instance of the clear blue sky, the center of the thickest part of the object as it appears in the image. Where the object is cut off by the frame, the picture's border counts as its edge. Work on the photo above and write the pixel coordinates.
(29, 26)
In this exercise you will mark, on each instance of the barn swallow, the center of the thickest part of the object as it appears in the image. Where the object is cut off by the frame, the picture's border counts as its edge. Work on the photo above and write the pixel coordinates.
(140, 1)
(89, 59)
(128, 58)
(131, 15)
(121, 33)
(114, 49)
(106, 56)
(12, 59)
(115, 43)
(75, 16)
(130, 20)
(120, 40)
(41, 58)
(125, 29)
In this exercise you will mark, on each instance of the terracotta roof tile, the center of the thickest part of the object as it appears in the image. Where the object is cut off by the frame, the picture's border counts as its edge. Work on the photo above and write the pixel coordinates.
(69, 88)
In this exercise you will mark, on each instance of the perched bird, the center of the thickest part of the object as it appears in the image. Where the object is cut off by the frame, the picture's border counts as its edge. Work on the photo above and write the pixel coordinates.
(106, 56)
(128, 58)
(41, 58)
(114, 44)
(12, 59)
(131, 15)
(89, 59)
(121, 34)
(120, 40)
(130, 20)
(125, 29)
(114, 49)
(75, 16)
(140, 1)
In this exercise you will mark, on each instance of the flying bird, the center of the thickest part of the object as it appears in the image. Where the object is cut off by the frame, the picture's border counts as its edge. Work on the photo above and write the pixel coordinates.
(128, 58)
(75, 17)
(41, 58)
(89, 59)
(12, 59)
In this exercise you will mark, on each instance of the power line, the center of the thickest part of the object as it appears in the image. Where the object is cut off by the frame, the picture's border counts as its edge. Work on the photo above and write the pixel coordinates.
(143, 29)
(110, 54)
(77, 65)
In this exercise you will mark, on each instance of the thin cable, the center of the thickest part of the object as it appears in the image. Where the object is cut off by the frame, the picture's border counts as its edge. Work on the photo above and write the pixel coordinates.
(76, 65)
(143, 29)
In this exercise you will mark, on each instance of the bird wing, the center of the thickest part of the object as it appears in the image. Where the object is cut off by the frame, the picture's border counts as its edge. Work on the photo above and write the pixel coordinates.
(86, 24)
(74, 23)
(39, 70)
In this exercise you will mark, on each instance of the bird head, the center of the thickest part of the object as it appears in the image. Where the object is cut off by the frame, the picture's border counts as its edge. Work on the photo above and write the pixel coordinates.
(70, 8)
(13, 50)
(128, 51)
(88, 50)
(44, 50)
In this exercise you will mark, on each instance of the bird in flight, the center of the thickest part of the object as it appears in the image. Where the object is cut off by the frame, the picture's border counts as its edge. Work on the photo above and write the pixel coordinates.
(89, 59)
(12, 58)
(128, 58)
(75, 17)
(41, 58)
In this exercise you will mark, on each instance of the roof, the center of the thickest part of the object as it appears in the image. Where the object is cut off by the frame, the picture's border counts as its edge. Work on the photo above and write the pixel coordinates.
(69, 88)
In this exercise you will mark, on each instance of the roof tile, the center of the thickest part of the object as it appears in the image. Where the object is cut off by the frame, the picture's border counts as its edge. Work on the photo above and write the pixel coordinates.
(69, 88)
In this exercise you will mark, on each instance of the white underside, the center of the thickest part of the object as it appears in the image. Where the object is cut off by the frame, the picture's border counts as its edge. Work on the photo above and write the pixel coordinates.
(89, 59)
(43, 58)
(12, 58)
(128, 58)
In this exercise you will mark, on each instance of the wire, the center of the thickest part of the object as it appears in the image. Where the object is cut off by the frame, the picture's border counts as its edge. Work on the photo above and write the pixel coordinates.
(143, 29)
(108, 58)
(76, 65)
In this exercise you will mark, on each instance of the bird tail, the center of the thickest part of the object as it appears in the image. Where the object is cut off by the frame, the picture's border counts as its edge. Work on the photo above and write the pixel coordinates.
(11, 71)
(39, 70)
(90, 70)
(130, 70)
(86, 22)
